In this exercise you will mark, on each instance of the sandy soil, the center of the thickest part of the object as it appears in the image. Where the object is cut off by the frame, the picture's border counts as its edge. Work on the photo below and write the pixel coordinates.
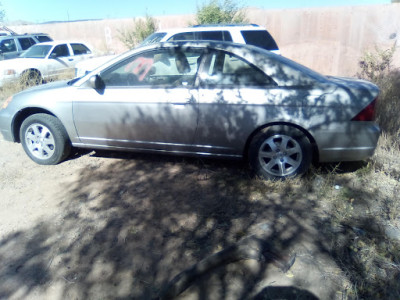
(120, 226)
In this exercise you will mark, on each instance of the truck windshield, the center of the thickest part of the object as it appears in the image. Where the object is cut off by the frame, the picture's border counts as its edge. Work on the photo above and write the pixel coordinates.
(152, 39)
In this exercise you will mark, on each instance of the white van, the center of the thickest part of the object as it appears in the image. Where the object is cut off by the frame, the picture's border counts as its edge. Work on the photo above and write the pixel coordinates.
(242, 34)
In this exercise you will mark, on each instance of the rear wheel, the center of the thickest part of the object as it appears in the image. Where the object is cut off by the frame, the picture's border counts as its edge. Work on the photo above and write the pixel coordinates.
(279, 152)
(44, 139)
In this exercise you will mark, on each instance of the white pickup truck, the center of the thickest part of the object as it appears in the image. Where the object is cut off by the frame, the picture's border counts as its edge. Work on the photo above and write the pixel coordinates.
(44, 61)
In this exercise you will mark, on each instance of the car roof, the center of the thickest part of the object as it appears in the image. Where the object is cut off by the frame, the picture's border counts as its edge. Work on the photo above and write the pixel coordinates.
(54, 43)
(23, 35)
(212, 27)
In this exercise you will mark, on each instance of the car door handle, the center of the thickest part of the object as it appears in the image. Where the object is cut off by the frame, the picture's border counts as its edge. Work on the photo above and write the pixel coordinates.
(190, 100)
(70, 59)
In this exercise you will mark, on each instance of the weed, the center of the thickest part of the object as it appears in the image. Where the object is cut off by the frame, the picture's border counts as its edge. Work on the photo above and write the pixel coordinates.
(142, 28)
(27, 81)
(377, 67)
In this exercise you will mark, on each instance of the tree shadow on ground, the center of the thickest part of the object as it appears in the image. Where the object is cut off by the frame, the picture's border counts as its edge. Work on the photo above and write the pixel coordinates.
(128, 226)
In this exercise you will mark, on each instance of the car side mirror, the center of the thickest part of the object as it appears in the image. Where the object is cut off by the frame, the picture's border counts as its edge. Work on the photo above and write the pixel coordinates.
(53, 55)
(96, 82)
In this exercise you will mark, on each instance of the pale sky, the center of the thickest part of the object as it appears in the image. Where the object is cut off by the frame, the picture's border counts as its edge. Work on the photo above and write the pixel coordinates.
(56, 10)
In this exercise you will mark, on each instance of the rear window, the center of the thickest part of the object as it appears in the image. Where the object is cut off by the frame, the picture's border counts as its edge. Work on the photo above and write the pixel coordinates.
(260, 38)
(43, 38)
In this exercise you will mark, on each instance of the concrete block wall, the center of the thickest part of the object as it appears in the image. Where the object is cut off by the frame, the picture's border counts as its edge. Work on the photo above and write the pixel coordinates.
(329, 40)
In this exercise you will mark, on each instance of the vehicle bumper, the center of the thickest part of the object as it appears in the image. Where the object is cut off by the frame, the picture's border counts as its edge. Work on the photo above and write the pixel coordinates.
(5, 125)
(7, 79)
(353, 141)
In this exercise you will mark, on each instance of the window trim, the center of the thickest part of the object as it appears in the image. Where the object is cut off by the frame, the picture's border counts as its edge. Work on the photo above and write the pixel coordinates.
(192, 85)
(206, 64)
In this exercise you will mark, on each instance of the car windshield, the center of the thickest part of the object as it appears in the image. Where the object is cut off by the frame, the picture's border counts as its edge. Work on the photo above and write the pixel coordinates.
(153, 38)
(37, 51)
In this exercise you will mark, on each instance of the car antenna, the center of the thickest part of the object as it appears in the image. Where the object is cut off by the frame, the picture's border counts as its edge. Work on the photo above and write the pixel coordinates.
(8, 31)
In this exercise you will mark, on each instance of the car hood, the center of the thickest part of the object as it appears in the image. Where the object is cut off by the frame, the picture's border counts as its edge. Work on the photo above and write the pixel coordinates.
(49, 86)
(43, 87)
(19, 63)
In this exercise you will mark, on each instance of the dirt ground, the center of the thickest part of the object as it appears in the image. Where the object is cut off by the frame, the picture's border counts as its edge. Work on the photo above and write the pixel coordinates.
(120, 226)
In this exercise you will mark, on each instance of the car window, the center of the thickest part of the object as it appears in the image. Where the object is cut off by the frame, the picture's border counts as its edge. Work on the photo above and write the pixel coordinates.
(26, 42)
(225, 69)
(80, 49)
(214, 36)
(8, 46)
(153, 38)
(260, 38)
(183, 36)
(159, 68)
(43, 38)
(60, 51)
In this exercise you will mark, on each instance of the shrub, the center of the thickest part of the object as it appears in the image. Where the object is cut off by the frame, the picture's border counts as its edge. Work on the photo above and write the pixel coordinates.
(388, 108)
(377, 67)
(217, 12)
(142, 28)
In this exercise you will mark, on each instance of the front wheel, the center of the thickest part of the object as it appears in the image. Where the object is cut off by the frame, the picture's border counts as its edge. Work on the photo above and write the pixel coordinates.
(279, 152)
(31, 78)
(44, 139)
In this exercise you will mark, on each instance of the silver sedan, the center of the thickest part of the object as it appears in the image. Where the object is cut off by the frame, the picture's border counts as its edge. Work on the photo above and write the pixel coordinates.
(204, 99)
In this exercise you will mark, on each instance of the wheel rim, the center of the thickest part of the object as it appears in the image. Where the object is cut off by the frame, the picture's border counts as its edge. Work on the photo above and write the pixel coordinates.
(280, 155)
(40, 141)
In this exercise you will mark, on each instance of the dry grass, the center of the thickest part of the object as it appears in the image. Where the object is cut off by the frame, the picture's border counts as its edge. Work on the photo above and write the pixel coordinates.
(367, 201)
(388, 108)
(12, 88)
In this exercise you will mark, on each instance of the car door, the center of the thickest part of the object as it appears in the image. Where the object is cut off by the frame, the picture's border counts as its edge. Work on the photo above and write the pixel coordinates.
(235, 98)
(148, 101)
(59, 60)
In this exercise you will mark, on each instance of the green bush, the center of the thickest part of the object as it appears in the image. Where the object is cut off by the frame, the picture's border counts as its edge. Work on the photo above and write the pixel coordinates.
(142, 28)
(217, 12)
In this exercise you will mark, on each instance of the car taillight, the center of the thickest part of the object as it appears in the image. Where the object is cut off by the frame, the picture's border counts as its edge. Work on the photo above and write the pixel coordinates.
(367, 114)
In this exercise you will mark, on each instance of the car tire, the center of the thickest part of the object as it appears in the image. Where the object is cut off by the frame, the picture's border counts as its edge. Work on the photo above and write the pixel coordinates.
(280, 152)
(31, 78)
(44, 139)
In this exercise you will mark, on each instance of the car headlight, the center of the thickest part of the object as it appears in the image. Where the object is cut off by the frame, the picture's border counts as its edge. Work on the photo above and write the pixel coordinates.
(5, 104)
(9, 72)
